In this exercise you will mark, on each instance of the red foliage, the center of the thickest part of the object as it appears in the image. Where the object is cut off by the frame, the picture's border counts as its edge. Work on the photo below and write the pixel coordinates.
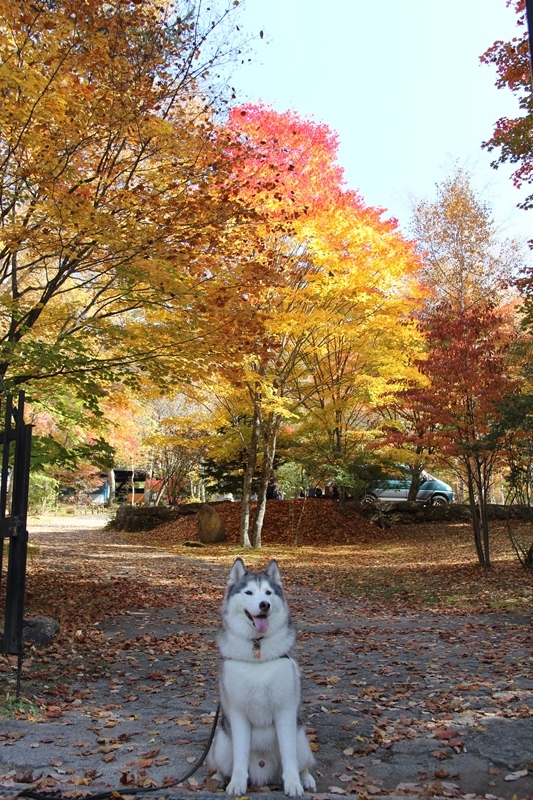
(513, 65)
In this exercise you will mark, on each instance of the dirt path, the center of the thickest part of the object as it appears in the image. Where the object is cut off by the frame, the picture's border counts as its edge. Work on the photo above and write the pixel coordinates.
(419, 703)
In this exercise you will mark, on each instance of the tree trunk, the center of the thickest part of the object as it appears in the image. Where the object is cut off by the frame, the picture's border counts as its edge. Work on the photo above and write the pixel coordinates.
(483, 492)
(270, 435)
(161, 491)
(476, 527)
(112, 486)
(338, 455)
(342, 499)
(478, 508)
(148, 485)
(132, 484)
(259, 515)
(415, 482)
(249, 471)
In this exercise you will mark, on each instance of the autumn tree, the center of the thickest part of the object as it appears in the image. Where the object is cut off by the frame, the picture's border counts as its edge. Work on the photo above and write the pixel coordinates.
(512, 140)
(461, 407)
(335, 422)
(176, 446)
(465, 260)
(70, 448)
(517, 428)
(127, 424)
(514, 137)
(66, 436)
(369, 334)
(315, 256)
(466, 265)
(110, 203)
(406, 430)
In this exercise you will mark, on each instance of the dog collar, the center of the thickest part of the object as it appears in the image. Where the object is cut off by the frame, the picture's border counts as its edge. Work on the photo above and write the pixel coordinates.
(256, 646)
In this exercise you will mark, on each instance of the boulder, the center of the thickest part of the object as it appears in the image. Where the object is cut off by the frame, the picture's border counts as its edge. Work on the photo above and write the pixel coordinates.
(147, 518)
(39, 630)
(210, 525)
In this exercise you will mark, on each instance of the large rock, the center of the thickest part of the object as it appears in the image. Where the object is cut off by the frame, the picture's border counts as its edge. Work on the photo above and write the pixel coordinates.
(146, 518)
(210, 525)
(39, 630)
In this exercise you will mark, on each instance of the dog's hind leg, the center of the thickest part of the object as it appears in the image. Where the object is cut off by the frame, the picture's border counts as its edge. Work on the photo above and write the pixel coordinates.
(220, 758)
(308, 782)
(305, 760)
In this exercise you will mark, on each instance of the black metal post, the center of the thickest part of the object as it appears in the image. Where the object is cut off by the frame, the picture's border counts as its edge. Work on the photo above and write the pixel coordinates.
(16, 570)
(15, 440)
(529, 18)
(5, 438)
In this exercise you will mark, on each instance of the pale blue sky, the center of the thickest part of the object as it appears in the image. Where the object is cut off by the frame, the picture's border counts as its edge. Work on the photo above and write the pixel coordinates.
(401, 83)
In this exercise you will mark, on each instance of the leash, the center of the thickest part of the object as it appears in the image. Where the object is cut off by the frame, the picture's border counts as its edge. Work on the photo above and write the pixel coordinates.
(117, 794)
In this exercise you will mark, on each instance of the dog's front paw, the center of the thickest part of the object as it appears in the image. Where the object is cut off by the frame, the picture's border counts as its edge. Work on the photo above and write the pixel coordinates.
(292, 787)
(237, 787)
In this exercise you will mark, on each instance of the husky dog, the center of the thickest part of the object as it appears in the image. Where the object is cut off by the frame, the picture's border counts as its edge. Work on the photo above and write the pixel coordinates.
(260, 739)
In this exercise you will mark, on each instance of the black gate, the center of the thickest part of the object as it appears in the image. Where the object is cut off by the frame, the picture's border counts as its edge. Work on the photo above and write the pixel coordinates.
(15, 446)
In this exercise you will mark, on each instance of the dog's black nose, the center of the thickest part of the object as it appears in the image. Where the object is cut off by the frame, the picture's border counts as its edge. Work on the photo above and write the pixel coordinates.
(264, 605)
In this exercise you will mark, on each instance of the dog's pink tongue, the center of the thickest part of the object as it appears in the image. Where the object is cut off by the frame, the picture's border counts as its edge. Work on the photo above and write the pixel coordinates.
(261, 624)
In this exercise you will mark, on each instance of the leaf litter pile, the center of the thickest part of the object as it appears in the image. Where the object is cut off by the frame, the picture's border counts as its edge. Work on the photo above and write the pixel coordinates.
(406, 647)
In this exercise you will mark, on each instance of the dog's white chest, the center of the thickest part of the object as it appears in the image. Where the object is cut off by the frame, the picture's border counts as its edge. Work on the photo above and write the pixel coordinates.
(259, 689)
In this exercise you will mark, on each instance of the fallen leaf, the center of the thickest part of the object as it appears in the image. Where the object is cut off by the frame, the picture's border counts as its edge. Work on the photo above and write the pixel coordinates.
(440, 754)
(514, 776)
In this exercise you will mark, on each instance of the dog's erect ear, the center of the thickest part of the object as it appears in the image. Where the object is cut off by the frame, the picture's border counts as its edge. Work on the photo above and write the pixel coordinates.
(273, 572)
(238, 571)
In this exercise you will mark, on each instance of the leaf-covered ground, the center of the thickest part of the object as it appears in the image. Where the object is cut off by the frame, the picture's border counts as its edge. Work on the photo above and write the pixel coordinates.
(431, 565)
(424, 566)
(417, 664)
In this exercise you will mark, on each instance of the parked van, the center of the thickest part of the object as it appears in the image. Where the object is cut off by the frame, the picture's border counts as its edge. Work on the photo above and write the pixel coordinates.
(395, 490)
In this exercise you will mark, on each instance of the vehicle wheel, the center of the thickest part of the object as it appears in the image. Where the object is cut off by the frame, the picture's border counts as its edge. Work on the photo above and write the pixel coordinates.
(438, 500)
(368, 499)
